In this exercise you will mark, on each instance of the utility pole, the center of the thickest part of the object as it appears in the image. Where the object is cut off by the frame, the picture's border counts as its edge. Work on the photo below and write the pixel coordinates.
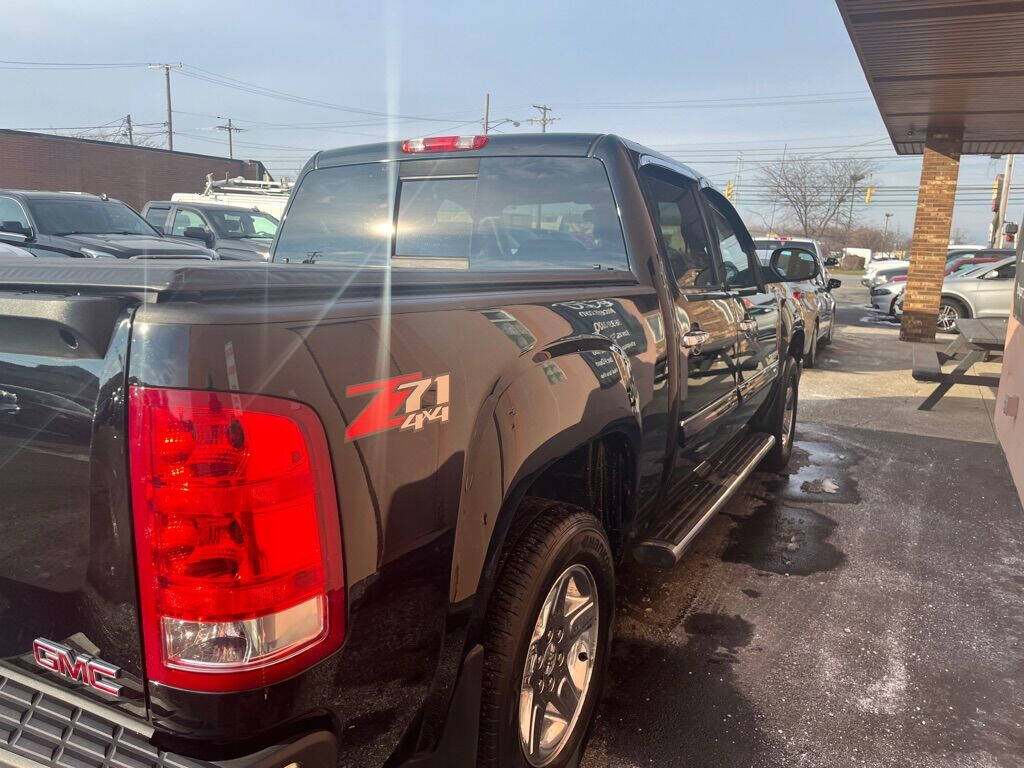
(487, 112)
(739, 174)
(782, 168)
(167, 83)
(885, 232)
(230, 128)
(543, 119)
(854, 179)
(128, 125)
(997, 236)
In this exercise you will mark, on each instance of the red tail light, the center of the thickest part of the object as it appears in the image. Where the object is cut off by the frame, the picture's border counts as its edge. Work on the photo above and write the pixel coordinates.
(238, 539)
(444, 144)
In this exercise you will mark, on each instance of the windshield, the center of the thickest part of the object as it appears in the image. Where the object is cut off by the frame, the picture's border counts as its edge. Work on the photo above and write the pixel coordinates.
(488, 214)
(237, 224)
(87, 217)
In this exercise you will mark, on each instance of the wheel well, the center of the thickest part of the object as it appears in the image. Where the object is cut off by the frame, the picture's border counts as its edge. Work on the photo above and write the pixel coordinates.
(958, 301)
(598, 477)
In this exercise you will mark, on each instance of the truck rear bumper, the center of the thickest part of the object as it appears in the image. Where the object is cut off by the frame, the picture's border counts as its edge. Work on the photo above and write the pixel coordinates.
(44, 726)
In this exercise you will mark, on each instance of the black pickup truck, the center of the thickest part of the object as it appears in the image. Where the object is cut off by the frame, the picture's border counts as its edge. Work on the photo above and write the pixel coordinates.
(363, 506)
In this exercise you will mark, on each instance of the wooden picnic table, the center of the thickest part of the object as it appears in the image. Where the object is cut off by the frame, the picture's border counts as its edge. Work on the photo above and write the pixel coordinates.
(984, 333)
(980, 340)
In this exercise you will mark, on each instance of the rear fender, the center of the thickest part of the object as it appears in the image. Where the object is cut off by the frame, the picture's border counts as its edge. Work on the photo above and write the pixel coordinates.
(566, 395)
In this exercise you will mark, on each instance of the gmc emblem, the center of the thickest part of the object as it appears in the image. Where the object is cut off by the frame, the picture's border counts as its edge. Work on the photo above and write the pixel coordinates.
(82, 667)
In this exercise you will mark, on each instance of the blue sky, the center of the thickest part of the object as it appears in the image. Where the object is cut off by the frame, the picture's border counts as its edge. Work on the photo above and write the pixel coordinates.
(602, 66)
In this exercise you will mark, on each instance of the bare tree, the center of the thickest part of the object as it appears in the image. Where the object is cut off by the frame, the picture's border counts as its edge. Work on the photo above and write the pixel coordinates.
(816, 192)
(118, 134)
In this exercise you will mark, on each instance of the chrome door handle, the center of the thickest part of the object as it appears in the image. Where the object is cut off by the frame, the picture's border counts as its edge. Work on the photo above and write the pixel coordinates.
(696, 339)
(8, 402)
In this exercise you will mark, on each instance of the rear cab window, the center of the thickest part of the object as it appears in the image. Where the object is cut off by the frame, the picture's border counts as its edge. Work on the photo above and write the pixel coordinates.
(490, 214)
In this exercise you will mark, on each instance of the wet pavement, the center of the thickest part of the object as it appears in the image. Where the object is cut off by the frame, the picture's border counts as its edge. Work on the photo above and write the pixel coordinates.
(864, 609)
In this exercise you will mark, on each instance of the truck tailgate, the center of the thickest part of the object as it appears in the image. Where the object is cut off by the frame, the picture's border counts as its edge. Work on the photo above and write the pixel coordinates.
(67, 572)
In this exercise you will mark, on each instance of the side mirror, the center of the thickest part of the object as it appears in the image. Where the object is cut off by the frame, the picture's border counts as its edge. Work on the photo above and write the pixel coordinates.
(833, 283)
(200, 233)
(15, 232)
(791, 265)
(831, 261)
(1011, 229)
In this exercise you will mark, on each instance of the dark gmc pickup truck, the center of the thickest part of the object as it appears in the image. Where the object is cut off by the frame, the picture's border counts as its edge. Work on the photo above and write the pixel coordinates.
(363, 506)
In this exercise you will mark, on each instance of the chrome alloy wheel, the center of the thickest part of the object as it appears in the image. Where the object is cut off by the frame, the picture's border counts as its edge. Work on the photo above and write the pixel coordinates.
(559, 665)
(788, 415)
(947, 317)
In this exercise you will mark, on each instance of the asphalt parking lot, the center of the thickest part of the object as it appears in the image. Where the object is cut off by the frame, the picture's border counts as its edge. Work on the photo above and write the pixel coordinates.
(863, 609)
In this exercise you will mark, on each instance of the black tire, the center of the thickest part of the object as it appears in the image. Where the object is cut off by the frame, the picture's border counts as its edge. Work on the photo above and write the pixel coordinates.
(778, 456)
(952, 310)
(811, 358)
(827, 340)
(560, 538)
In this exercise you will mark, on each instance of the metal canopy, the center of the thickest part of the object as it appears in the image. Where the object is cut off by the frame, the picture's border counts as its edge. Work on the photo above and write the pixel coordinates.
(935, 64)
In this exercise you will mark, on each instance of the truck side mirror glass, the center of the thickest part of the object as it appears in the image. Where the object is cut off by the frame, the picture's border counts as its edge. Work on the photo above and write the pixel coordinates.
(791, 265)
(833, 283)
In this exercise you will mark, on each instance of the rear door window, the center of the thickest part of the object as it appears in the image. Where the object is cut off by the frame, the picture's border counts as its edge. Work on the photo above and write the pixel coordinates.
(480, 214)
(684, 235)
(157, 215)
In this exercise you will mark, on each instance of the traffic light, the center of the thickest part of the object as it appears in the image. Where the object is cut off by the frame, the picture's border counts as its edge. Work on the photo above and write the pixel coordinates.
(868, 194)
(730, 190)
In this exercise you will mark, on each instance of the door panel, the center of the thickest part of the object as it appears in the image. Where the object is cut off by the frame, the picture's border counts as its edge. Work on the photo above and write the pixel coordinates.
(993, 296)
(707, 320)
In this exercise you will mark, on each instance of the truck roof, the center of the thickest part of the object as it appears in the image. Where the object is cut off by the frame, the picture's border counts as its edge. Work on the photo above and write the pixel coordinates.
(40, 194)
(498, 145)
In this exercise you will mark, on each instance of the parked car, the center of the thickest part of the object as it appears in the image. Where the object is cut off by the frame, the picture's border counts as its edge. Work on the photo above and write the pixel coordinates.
(813, 297)
(882, 275)
(234, 233)
(363, 505)
(986, 291)
(885, 296)
(81, 225)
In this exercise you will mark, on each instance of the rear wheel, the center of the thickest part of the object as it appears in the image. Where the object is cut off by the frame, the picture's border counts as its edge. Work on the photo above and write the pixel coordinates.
(547, 640)
(950, 310)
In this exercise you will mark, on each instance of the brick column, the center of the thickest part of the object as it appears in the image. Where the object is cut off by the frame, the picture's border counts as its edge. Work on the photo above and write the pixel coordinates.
(932, 225)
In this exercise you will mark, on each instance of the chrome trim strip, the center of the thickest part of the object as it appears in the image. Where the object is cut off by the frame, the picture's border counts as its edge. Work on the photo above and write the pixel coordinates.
(760, 381)
(716, 410)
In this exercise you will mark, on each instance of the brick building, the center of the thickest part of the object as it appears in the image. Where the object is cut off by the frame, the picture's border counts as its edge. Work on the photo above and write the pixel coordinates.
(132, 174)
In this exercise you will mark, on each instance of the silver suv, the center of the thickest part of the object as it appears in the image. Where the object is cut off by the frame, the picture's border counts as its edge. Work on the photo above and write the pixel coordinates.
(983, 292)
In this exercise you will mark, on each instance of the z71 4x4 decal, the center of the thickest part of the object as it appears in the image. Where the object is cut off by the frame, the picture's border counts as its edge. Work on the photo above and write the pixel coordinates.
(399, 402)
